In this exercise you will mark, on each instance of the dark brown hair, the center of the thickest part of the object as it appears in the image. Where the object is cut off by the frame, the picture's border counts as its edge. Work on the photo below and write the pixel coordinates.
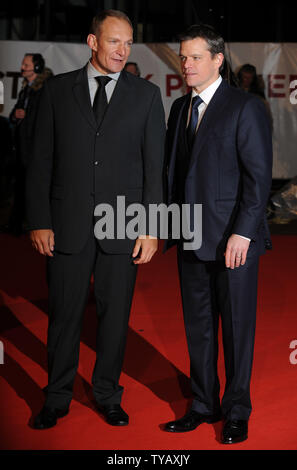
(214, 40)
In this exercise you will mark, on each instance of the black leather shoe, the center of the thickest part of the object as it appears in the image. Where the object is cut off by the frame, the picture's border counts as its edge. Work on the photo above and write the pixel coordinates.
(114, 415)
(190, 421)
(234, 431)
(47, 418)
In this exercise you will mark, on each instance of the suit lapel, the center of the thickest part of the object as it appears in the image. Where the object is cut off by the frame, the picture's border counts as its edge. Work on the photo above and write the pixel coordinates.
(178, 132)
(214, 112)
(82, 97)
(183, 124)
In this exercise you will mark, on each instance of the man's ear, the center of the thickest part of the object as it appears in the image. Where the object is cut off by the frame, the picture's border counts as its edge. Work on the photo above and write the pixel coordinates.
(92, 42)
(219, 58)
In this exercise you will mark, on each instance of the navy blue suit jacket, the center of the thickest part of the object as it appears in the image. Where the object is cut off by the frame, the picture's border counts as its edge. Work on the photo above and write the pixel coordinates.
(229, 171)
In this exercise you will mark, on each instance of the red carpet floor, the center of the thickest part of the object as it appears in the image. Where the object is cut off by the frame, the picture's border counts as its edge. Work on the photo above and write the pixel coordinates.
(156, 369)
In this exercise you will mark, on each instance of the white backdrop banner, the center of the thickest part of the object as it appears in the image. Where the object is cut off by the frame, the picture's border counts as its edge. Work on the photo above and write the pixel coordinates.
(276, 62)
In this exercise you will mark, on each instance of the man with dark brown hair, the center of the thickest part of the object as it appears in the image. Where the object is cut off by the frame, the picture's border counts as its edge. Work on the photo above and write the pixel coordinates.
(220, 156)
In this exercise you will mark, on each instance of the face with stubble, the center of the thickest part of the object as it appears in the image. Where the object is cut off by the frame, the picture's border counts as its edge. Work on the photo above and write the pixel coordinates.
(111, 46)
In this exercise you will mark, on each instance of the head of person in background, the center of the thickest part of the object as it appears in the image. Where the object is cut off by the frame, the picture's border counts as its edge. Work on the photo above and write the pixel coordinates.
(133, 68)
(34, 71)
(110, 39)
(228, 74)
(32, 66)
(249, 81)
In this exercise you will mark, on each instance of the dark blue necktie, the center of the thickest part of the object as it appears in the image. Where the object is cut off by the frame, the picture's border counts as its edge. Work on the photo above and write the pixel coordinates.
(191, 130)
(100, 100)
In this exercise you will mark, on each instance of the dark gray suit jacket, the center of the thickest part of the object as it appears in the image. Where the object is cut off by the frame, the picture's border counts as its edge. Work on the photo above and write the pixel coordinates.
(76, 165)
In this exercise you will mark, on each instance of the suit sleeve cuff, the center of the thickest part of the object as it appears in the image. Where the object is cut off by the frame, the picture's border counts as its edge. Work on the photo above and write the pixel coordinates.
(243, 237)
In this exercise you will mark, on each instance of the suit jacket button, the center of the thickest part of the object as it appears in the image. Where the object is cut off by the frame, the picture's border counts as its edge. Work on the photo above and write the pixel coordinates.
(97, 134)
(96, 162)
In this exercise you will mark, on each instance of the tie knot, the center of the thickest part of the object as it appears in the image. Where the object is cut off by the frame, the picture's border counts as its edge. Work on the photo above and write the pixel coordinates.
(196, 101)
(102, 80)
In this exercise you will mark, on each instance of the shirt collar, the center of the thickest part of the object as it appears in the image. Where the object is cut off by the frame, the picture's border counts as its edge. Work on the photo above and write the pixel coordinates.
(208, 93)
(93, 72)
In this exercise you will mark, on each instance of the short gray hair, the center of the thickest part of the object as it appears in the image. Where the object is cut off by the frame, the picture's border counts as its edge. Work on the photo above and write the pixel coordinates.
(101, 16)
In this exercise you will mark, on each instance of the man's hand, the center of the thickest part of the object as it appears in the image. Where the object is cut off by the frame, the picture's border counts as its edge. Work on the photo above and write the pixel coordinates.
(20, 113)
(43, 241)
(236, 251)
(148, 246)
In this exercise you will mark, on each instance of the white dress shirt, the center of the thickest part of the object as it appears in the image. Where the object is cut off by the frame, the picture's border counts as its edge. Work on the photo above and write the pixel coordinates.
(206, 96)
(93, 84)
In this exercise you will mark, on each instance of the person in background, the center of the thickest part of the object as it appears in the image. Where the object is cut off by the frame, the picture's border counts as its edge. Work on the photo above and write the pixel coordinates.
(251, 82)
(132, 67)
(22, 119)
(228, 74)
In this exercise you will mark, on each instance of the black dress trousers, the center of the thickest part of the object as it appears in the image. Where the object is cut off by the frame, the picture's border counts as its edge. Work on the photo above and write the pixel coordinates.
(68, 281)
(208, 290)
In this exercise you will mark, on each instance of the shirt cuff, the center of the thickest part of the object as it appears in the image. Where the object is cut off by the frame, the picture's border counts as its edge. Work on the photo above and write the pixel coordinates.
(242, 237)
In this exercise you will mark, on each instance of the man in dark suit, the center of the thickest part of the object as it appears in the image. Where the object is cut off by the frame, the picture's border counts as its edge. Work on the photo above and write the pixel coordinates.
(220, 156)
(84, 156)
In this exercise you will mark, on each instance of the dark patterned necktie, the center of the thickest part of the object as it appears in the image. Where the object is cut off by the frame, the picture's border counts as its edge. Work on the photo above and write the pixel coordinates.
(191, 130)
(100, 100)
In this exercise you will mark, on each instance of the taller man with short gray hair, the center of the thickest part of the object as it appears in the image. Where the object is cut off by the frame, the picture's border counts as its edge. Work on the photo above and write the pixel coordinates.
(100, 134)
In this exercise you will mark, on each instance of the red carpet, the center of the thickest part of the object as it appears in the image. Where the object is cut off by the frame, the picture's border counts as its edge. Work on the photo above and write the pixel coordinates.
(156, 369)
